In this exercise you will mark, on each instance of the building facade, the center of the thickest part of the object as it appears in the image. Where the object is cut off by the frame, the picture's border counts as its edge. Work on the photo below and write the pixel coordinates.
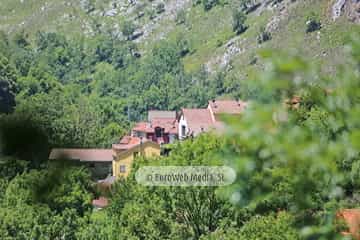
(126, 153)
(146, 138)
(161, 127)
(195, 121)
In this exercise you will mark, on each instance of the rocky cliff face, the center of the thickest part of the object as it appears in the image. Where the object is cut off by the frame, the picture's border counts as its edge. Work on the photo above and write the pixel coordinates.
(209, 35)
(348, 8)
(352, 10)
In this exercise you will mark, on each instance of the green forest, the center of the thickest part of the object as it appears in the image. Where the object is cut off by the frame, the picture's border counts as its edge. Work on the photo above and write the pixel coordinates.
(296, 166)
(69, 86)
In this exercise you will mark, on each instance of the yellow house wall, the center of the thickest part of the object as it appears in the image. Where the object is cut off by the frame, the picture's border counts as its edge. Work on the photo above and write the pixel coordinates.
(127, 158)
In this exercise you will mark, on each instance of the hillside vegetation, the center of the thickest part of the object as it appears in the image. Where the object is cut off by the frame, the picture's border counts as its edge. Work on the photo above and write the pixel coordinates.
(204, 32)
(207, 31)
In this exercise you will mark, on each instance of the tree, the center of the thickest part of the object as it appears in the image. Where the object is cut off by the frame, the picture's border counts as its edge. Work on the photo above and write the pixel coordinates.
(68, 188)
(16, 130)
(268, 146)
(10, 167)
(312, 23)
(279, 226)
(263, 35)
(180, 17)
(24, 188)
(25, 222)
(160, 8)
(270, 227)
(21, 39)
(128, 28)
(111, 134)
(105, 79)
(7, 86)
(28, 211)
(208, 4)
(103, 46)
(4, 44)
(239, 18)
(37, 81)
(199, 209)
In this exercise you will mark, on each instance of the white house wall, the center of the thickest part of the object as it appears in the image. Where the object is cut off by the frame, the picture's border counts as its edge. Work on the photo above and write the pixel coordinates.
(182, 123)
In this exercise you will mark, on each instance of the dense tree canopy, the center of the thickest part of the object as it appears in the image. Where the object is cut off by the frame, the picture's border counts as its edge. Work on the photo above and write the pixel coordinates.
(7, 85)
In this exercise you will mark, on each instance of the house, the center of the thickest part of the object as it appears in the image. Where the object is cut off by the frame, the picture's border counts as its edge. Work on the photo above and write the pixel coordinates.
(195, 121)
(351, 218)
(128, 149)
(293, 103)
(99, 161)
(100, 203)
(104, 185)
(229, 107)
(161, 127)
(109, 164)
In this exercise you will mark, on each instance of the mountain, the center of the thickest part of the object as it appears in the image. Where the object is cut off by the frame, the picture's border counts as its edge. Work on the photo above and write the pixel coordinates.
(209, 32)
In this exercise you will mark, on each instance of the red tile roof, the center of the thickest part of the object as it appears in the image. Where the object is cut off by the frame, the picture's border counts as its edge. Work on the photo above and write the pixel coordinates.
(101, 202)
(352, 219)
(128, 142)
(143, 127)
(294, 102)
(169, 124)
(160, 114)
(85, 155)
(198, 119)
(227, 106)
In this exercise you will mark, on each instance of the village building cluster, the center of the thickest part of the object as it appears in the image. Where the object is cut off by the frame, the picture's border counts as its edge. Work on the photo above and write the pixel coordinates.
(147, 138)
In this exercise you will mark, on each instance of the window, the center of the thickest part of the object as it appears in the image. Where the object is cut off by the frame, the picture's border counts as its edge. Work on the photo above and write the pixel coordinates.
(183, 130)
(122, 168)
(158, 132)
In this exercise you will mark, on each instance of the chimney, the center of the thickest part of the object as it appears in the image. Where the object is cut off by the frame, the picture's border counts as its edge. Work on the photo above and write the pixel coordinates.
(238, 102)
(214, 103)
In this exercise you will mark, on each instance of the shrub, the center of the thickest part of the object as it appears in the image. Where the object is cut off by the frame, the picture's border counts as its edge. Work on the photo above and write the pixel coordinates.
(151, 13)
(239, 19)
(208, 4)
(270, 227)
(312, 23)
(128, 28)
(160, 8)
(196, 2)
(355, 173)
(263, 36)
(180, 17)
